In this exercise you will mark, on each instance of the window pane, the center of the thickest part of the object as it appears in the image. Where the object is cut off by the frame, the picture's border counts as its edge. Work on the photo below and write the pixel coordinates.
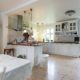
(48, 36)
(51, 37)
(48, 30)
(52, 31)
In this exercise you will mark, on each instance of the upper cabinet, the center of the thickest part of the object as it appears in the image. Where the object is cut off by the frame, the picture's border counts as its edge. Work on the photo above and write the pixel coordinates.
(73, 26)
(15, 22)
(58, 27)
(68, 27)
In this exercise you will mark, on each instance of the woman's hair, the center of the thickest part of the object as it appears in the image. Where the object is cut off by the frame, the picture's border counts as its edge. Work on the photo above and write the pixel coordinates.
(26, 36)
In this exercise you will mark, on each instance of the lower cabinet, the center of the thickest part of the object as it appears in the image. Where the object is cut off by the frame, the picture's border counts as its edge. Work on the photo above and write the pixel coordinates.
(66, 49)
(33, 53)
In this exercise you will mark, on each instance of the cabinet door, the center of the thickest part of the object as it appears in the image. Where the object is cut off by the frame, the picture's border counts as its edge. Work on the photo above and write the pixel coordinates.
(12, 22)
(73, 26)
(58, 27)
(64, 26)
(19, 22)
(15, 22)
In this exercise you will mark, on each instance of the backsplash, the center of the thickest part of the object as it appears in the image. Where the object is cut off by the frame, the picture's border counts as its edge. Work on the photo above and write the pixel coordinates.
(64, 39)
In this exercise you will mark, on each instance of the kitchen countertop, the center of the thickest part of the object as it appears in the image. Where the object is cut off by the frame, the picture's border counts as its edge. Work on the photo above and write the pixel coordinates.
(63, 42)
(24, 44)
(67, 42)
(40, 43)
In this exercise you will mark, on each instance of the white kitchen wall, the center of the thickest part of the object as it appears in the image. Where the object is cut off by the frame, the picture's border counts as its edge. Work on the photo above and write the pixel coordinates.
(42, 15)
(54, 10)
(43, 12)
(3, 23)
(0, 34)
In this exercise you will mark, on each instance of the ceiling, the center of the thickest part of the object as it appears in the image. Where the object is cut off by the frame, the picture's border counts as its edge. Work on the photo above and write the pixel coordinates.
(58, 7)
(58, 4)
(7, 4)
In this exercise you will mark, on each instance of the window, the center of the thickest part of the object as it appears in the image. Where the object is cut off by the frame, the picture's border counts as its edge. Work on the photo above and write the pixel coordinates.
(49, 35)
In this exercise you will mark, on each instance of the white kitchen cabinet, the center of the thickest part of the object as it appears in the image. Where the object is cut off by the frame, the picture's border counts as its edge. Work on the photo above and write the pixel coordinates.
(15, 22)
(58, 27)
(33, 53)
(69, 26)
(66, 49)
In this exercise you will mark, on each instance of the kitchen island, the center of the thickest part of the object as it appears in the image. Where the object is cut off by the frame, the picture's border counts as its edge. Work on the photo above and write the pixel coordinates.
(33, 53)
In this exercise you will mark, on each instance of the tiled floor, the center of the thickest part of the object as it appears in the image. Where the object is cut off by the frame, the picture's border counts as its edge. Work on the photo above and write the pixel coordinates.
(59, 68)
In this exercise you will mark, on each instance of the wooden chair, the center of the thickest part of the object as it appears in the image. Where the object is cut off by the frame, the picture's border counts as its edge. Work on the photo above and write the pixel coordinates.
(9, 51)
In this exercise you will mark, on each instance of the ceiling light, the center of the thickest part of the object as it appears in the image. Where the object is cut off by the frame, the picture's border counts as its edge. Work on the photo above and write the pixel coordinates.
(70, 12)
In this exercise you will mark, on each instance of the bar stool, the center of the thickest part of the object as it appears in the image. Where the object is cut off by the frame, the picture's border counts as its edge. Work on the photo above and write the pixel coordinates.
(9, 51)
(44, 60)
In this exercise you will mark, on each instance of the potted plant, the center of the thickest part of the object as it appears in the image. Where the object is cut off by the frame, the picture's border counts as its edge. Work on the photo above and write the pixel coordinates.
(21, 56)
